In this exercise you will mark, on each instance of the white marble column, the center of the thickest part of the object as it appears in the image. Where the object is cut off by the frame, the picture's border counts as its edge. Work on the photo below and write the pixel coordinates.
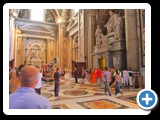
(11, 39)
(60, 50)
(81, 40)
(91, 37)
(131, 38)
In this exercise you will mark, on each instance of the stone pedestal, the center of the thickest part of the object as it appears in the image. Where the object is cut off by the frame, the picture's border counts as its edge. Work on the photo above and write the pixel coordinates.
(137, 79)
(109, 60)
(114, 52)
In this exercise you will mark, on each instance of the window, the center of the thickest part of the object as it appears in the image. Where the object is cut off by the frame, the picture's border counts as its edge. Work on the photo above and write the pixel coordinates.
(37, 14)
(76, 10)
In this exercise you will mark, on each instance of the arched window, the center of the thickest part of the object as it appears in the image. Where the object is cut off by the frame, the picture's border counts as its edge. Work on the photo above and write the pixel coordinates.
(24, 14)
(37, 14)
(76, 10)
(49, 16)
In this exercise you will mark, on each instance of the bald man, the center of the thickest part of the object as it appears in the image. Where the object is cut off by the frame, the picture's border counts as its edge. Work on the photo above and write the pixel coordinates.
(26, 97)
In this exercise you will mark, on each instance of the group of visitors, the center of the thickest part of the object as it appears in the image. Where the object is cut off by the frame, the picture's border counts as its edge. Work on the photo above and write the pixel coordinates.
(107, 77)
(27, 93)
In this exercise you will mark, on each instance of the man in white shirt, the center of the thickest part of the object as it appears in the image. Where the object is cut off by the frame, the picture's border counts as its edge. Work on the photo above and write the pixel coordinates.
(125, 77)
(39, 84)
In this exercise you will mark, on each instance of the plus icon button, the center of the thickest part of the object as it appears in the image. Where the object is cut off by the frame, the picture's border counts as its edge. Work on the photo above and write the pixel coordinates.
(147, 99)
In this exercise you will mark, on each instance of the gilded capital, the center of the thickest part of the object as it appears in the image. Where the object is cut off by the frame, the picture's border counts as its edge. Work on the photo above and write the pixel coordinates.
(48, 40)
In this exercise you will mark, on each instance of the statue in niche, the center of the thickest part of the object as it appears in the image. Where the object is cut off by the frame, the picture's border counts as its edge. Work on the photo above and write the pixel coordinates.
(98, 35)
(49, 17)
(118, 28)
(110, 23)
(24, 13)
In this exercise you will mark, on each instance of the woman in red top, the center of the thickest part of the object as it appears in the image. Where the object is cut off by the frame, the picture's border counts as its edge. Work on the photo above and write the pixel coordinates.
(93, 77)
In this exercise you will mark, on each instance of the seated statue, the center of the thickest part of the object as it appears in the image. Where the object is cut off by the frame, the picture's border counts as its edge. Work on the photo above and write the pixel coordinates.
(111, 22)
(118, 28)
(104, 42)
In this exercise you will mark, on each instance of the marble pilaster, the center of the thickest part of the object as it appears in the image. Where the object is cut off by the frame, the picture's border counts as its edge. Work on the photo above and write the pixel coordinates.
(91, 37)
(51, 46)
(54, 48)
(131, 38)
(60, 49)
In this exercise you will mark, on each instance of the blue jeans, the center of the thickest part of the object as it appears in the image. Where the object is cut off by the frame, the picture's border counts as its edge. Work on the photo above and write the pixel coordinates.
(56, 88)
(98, 81)
(117, 88)
(107, 88)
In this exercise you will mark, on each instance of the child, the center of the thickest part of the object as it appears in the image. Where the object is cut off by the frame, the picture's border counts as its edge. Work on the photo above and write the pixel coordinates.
(117, 83)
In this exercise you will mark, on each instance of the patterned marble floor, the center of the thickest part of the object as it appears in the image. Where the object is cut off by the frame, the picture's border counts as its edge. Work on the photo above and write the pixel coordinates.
(86, 96)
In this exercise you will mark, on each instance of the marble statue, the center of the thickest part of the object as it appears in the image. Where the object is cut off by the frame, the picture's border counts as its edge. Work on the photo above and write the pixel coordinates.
(25, 14)
(118, 28)
(98, 35)
(104, 42)
(110, 23)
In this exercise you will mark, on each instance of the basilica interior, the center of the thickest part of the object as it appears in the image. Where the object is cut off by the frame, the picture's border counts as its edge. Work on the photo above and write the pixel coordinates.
(93, 38)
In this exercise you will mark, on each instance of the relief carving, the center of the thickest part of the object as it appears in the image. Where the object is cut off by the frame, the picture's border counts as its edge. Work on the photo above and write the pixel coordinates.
(101, 40)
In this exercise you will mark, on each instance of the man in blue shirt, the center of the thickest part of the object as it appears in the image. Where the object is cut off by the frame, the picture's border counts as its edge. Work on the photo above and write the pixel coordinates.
(57, 82)
(26, 97)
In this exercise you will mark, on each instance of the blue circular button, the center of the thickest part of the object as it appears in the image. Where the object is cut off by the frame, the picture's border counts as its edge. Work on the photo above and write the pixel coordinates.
(147, 99)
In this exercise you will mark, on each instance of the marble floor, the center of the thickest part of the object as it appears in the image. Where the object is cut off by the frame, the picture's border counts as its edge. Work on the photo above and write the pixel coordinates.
(86, 96)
